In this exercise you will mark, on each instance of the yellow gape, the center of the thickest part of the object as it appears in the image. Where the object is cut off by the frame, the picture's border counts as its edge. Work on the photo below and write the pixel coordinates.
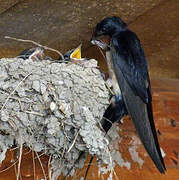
(76, 53)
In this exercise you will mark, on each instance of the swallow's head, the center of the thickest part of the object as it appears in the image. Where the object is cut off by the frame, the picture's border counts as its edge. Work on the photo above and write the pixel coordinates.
(109, 26)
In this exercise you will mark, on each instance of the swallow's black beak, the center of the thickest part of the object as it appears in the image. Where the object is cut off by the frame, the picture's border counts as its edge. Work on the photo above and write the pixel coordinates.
(92, 40)
(96, 34)
(94, 37)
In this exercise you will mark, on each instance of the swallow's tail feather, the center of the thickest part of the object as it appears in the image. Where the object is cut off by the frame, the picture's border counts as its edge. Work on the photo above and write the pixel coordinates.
(142, 118)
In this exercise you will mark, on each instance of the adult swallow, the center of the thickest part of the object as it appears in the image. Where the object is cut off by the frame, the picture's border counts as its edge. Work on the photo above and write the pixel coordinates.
(128, 70)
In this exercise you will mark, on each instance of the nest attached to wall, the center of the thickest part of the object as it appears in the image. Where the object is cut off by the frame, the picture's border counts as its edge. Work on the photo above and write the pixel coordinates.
(55, 108)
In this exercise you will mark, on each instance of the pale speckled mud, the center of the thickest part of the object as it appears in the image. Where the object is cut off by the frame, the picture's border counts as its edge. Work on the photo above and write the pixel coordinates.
(50, 104)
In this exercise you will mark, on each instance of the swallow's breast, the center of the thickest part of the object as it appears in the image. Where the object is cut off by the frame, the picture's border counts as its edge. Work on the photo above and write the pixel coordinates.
(112, 74)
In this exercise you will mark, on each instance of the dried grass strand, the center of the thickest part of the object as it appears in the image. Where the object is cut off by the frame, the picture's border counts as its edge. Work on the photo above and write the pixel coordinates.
(20, 158)
(49, 168)
(37, 44)
(8, 167)
(43, 170)
(73, 142)
(15, 90)
(33, 161)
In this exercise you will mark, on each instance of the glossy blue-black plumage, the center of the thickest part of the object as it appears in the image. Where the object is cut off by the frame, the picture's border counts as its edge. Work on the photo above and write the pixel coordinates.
(128, 55)
(131, 71)
(114, 113)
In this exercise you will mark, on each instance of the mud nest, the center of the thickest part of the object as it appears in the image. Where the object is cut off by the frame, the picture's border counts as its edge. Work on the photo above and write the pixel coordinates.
(55, 108)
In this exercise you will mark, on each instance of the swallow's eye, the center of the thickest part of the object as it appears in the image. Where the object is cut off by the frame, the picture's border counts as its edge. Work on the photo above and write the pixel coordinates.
(104, 29)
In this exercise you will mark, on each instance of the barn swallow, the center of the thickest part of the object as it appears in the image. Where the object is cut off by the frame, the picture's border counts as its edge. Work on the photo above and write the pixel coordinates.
(128, 70)
(36, 53)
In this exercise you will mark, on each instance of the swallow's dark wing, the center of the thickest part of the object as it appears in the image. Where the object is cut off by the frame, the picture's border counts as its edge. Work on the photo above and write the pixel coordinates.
(132, 63)
(132, 74)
